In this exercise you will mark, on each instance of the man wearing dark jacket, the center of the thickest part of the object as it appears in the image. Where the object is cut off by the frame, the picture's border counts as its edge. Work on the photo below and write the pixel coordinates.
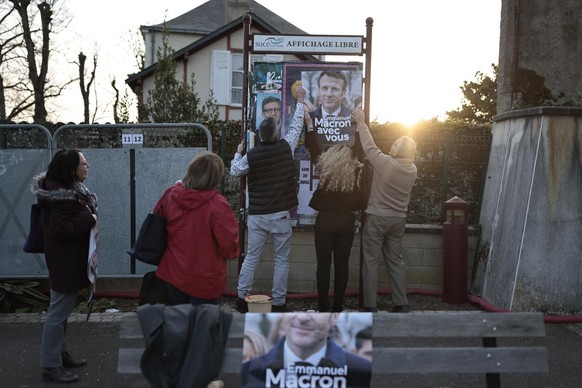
(272, 191)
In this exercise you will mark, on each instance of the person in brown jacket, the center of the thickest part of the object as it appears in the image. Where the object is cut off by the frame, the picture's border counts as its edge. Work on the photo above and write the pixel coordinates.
(69, 212)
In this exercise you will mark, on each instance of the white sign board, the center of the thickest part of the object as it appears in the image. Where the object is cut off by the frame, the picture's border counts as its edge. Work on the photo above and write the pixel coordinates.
(313, 44)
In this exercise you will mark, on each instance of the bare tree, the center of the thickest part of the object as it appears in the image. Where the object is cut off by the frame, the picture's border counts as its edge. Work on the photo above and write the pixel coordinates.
(14, 94)
(116, 102)
(136, 47)
(36, 27)
(85, 90)
(37, 74)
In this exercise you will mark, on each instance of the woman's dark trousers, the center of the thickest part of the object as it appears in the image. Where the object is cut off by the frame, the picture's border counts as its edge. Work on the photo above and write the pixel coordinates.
(334, 235)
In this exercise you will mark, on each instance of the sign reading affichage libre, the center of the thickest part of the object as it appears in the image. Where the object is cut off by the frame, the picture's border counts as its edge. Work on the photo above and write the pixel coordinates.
(308, 44)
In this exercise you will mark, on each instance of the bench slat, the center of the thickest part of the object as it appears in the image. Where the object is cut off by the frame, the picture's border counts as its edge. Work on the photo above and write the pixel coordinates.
(438, 360)
(459, 325)
(460, 360)
(479, 324)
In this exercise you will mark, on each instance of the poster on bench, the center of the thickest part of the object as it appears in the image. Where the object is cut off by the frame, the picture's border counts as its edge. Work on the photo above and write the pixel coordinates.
(307, 349)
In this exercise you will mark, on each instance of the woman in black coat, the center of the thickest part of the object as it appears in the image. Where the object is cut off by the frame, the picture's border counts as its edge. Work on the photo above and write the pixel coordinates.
(337, 200)
(69, 212)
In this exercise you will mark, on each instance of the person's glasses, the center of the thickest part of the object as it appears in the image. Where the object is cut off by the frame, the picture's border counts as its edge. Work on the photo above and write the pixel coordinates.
(271, 111)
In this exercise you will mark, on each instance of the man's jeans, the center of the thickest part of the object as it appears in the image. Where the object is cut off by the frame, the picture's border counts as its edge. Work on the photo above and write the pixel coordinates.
(278, 225)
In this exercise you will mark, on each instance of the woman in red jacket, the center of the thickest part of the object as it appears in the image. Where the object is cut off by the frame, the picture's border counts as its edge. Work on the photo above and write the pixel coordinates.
(202, 234)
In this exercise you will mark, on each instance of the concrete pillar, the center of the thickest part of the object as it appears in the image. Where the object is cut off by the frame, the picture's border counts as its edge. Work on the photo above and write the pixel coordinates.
(529, 256)
(540, 38)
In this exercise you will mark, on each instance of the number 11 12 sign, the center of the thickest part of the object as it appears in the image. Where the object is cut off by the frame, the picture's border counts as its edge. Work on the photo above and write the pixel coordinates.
(132, 138)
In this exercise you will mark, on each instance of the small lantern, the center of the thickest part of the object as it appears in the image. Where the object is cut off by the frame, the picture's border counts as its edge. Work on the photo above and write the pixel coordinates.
(456, 211)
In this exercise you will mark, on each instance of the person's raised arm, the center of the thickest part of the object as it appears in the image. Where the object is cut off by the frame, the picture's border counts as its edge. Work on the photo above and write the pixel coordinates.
(300, 117)
(239, 165)
(373, 153)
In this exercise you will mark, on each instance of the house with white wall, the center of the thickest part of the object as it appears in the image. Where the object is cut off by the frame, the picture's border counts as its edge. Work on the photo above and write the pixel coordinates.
(208, 44)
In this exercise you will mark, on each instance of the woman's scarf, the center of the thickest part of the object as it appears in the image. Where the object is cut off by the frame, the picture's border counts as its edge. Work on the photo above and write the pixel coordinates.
(87, 198)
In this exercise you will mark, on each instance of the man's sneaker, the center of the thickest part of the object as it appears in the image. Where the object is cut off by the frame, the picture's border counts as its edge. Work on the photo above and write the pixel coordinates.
(280, 309)
(241, 306)
(369, 309)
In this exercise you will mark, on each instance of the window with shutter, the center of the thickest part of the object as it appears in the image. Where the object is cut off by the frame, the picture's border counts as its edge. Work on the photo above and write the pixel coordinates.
(220, 77)
(227, 75)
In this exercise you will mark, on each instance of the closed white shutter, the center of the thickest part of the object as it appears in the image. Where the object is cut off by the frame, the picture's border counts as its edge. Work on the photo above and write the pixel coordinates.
(274, 58)
(220, 76)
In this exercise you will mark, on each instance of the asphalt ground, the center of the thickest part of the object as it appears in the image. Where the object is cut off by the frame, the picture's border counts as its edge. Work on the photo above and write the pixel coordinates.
(107, 339)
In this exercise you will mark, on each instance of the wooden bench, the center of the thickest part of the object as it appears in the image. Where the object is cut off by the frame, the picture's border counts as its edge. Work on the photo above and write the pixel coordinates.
(396, 351)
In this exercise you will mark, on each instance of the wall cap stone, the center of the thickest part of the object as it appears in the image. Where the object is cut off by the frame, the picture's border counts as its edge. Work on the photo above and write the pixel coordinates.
(539, 111)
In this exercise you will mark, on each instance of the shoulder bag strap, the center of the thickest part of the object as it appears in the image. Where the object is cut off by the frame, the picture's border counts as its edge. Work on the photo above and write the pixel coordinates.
(162, 200)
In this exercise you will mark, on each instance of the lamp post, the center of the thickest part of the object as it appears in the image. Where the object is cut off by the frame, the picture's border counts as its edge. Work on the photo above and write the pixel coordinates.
(455, 245)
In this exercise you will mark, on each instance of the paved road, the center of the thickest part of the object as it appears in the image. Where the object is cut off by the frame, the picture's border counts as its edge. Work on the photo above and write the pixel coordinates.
(109, 341)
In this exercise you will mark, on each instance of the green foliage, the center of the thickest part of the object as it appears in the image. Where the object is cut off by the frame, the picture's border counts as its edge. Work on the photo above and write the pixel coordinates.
(173, 101)
(125, 105)
(226, 135)
(479, 103)
(20, 296)
(100, 305)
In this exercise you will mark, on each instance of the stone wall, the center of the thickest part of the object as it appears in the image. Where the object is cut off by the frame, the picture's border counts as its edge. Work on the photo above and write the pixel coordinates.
(422, 252)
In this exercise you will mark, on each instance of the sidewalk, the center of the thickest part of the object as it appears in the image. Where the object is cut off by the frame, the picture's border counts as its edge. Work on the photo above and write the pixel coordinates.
(108, 335)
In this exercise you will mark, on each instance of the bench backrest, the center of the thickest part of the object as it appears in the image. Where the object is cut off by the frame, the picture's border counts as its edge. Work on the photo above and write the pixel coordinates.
(486, 358)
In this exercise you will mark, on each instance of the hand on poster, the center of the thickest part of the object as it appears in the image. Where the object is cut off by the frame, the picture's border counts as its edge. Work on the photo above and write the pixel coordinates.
(297, 84)
(300, 94)
(240, 148)
(358, 116)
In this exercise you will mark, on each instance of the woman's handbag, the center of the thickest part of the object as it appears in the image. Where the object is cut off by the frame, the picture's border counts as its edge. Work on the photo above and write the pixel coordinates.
(151, 241)
(35, 240)
(152, 238)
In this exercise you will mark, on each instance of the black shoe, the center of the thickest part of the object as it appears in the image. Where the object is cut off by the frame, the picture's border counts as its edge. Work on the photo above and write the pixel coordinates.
(280, 309)
(324, 307)
(241, 306)
(400, 309)
(59, 375)
(369, 309)
(70, 362)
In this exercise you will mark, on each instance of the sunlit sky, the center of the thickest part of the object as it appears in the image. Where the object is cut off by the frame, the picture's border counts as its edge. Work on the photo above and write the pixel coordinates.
(423, 50)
